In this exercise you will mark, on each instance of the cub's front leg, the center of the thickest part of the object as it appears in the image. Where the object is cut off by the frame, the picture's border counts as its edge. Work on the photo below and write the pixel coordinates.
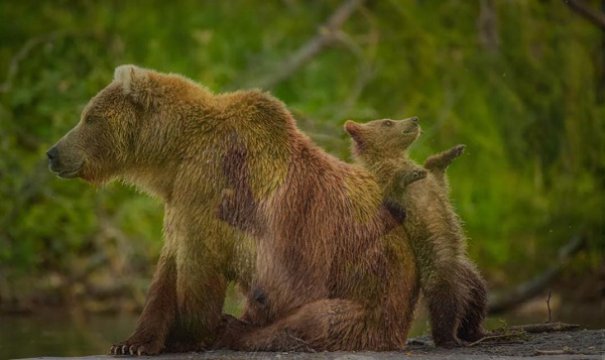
(412, 176)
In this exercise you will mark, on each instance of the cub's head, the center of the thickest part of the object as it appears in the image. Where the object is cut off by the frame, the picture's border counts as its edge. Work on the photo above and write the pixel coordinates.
(119, 129)
(383, 138)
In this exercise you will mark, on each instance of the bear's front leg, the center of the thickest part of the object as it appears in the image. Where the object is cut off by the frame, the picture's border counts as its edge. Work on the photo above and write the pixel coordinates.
(158, 314)
(200, 290)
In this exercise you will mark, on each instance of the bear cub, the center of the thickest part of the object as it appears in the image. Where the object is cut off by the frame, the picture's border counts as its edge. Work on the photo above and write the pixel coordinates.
(455, 292)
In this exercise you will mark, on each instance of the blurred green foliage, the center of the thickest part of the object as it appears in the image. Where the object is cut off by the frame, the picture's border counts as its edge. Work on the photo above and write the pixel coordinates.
(521, 83)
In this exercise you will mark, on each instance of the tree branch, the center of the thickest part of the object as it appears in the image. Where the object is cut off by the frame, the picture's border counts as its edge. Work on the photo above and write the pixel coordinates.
(13, 67)
(533, 287)
(326, 36)
(595, 17)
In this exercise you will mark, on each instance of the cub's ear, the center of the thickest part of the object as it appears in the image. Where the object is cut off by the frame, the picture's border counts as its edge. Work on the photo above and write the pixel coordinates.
(353, 129)
(135, 82)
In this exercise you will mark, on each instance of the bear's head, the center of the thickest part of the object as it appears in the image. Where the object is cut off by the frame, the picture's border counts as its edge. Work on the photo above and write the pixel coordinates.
(123, 129)
(384, 138)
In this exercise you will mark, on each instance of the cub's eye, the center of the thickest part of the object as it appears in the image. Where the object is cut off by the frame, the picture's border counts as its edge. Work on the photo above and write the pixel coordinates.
(387, 123)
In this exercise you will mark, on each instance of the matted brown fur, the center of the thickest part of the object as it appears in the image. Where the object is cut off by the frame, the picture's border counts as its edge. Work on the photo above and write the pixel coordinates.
(454, 290)
(330, 269)
(346, 269)
(335, 285)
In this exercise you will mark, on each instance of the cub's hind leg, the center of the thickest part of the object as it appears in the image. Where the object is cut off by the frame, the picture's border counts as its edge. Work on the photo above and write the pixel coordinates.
(471, 324)
(444, 312)
(446, 297)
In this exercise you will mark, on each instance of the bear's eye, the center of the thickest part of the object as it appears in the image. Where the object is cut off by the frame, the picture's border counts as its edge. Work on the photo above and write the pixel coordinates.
(387, 123)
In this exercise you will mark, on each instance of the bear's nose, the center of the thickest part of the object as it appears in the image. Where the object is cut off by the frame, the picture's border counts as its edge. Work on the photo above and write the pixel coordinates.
(52, 153)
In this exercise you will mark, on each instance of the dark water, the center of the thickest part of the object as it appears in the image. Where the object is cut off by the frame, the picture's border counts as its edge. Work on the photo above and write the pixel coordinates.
(61, 334)
(67, 335)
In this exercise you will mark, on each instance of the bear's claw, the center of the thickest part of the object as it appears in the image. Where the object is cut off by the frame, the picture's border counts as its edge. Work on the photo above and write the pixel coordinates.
(135, 348)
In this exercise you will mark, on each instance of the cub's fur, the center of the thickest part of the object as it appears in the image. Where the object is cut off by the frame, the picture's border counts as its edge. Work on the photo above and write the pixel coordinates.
(454, 290)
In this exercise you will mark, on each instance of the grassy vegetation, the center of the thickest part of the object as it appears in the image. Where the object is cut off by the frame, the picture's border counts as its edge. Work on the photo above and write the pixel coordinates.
(521, 83)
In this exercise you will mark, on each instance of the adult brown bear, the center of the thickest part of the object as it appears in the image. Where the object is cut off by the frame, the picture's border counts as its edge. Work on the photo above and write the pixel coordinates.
(332, 261)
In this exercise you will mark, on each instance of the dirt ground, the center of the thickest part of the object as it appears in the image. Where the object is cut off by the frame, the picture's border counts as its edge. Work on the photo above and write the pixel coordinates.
(578, 344)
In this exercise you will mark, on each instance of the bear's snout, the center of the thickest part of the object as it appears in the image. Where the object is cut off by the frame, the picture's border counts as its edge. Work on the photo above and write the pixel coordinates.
(64, 165)
(53, 158)
(52, 153)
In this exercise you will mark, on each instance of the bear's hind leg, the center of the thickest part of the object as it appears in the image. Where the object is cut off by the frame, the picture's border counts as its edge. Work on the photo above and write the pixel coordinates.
(323, 325)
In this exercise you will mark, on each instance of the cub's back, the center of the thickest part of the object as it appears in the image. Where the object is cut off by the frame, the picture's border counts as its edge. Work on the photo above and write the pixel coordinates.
(431, 220)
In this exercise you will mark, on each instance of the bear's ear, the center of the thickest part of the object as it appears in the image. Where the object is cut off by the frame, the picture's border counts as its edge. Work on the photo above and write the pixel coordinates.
(135, 82)
(353, 129)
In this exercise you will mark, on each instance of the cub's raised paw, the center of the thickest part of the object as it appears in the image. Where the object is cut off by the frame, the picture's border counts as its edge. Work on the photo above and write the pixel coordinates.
(136, 348)
(458, 150)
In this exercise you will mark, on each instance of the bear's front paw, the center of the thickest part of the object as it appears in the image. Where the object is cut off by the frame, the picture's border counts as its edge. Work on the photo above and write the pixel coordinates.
(137, 347)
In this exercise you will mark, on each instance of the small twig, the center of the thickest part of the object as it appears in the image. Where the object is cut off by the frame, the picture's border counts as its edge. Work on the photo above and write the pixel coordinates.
(535, 286)
(303, 345)
(492, 337)
(548, 306)
(547, 327)
(595, 17)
